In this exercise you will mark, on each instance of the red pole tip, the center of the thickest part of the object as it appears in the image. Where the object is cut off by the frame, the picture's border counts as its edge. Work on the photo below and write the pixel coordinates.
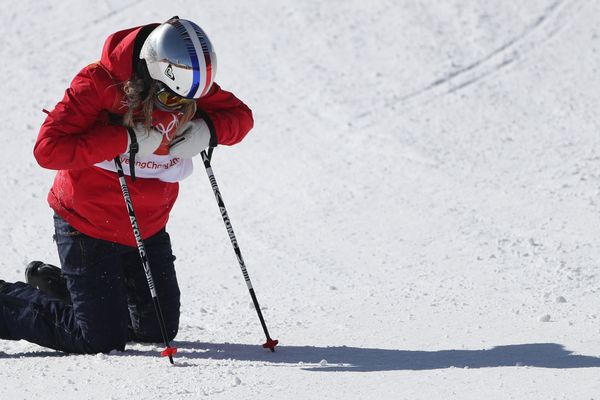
(270, 344)
(169, 352)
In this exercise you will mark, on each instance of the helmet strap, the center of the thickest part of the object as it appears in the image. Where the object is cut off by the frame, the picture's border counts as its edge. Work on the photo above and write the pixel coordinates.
(141, 72)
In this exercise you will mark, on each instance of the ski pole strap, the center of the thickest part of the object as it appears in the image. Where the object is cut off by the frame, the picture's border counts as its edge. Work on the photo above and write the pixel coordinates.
(133, 149)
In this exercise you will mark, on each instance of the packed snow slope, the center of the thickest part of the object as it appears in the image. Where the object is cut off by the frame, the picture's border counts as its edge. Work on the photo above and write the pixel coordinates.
(418, 203)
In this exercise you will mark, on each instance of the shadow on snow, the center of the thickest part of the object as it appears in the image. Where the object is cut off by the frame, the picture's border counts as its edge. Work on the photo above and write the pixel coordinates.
(542, 355)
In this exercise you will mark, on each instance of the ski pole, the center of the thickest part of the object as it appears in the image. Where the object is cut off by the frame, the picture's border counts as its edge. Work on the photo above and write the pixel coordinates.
(168, 351)
(270, 343)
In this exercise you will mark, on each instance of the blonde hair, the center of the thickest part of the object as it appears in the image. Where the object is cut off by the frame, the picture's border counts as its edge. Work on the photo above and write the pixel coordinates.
(133, 89)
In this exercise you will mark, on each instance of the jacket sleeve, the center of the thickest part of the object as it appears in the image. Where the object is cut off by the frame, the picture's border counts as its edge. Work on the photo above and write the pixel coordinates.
(73, 136)
(228, 118)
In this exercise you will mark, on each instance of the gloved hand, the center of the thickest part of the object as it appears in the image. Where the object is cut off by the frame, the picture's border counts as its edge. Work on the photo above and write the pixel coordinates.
(148, 140)
(194, 138)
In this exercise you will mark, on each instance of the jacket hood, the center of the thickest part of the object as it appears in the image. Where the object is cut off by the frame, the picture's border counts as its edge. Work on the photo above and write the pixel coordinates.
(121, 50)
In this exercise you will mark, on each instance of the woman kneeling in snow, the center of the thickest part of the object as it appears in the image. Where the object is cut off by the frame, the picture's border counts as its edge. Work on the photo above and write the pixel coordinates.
(150, 102)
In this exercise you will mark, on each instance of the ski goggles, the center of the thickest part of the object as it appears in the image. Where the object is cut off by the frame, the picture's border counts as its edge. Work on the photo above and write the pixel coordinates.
(170, 100)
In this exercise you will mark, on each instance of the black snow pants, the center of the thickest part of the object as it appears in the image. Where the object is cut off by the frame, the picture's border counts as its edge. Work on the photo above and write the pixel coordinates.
(110, 300)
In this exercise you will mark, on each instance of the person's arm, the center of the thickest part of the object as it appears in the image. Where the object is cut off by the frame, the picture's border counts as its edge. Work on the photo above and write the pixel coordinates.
(227, 117)
(72, 136)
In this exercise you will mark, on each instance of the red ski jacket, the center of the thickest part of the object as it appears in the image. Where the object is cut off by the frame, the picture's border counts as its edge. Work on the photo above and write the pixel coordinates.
(78, 139)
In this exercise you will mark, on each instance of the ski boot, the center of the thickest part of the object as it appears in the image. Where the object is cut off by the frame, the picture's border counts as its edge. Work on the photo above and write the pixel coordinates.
(47, 279)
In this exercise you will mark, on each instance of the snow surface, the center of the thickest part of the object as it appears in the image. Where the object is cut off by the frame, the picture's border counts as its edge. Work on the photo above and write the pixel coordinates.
(417, 204)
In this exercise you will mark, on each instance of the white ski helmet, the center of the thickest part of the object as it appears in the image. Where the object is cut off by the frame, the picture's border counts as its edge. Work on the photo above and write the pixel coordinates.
(179, 54)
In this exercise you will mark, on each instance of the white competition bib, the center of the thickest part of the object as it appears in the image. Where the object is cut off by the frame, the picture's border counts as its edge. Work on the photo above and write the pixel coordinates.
(163, 167)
